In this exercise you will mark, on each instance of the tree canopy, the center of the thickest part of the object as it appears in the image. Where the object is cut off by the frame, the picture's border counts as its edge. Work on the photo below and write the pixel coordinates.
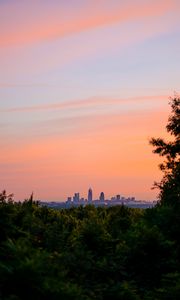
(170, 184)
(88, 253)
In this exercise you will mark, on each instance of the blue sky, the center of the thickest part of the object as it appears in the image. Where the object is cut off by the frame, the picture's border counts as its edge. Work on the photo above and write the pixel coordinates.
(79, 72)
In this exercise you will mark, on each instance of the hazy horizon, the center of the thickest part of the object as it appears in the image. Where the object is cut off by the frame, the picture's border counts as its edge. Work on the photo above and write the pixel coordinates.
(84, 85)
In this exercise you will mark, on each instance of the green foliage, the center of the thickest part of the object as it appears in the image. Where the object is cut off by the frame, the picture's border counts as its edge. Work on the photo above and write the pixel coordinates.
(170, 183)
(88, 253)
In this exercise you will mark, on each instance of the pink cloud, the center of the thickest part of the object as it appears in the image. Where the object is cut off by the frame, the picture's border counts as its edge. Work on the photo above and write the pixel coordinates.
(33, 21)
(110, 152)
(83, 103)
(45, 57)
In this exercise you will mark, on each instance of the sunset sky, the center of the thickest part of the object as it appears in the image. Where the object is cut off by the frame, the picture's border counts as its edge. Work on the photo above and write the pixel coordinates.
(84, 85)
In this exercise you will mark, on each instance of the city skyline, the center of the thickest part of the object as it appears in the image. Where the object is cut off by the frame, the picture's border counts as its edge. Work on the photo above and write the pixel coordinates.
(102, 197)
(84, 85)
(102, 201)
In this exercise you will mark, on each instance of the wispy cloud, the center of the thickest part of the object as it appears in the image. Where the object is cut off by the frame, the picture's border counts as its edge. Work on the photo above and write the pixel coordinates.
(83, 103)
(61, 21)
(56, 135)
(97, 148)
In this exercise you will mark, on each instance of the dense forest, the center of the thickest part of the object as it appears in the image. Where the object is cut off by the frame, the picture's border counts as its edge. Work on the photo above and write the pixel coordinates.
(100, 253)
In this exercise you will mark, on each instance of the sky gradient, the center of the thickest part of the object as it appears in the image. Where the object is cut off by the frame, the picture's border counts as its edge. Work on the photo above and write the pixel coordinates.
(84, 85)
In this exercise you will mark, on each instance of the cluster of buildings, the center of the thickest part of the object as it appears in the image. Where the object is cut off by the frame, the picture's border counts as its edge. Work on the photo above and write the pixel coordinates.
(76, 201)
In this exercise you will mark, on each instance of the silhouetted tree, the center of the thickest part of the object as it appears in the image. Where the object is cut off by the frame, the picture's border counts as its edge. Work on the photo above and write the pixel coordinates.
(6, 198)
(170, 184)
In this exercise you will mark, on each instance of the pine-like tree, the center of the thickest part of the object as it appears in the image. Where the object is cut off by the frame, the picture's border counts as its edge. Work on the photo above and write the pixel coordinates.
(170, 184)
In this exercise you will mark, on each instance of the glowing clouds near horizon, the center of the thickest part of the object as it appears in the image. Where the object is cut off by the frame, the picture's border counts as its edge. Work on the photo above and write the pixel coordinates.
(83, 85)
(110, 151)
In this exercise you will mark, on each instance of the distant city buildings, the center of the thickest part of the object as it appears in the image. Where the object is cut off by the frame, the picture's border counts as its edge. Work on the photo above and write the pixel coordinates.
(76, 200)
(102, 197)
(90, 196)
(101, 201)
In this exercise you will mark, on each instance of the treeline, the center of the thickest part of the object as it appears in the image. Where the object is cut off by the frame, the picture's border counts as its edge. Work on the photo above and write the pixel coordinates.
(96, 253)
(88, 252)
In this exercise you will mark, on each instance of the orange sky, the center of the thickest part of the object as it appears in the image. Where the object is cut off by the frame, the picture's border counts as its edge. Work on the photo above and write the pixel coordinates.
(109, 152)
(60, 21)
(84, 85)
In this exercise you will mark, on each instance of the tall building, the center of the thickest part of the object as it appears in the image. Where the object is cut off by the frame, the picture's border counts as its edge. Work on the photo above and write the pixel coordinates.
(68, 199)
(90, 196)
(102, 197)
(76, 197)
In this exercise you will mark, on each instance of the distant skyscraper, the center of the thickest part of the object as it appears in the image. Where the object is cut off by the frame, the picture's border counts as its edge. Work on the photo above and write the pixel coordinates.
(101, 197)
(68, 199)
(76, 197)
(90, 196)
